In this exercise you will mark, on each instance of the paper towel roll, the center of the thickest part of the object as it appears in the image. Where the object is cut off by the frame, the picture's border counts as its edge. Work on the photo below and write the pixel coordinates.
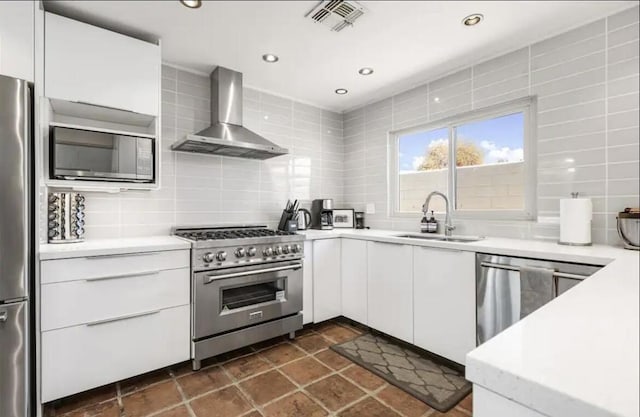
(575, 221)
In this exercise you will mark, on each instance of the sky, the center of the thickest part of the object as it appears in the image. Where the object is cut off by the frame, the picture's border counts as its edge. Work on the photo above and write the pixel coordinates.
(500, 138)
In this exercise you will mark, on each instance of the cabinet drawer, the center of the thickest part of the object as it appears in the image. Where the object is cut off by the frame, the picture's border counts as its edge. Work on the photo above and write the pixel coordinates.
(72, 269)
(79, 358)
(65, 304)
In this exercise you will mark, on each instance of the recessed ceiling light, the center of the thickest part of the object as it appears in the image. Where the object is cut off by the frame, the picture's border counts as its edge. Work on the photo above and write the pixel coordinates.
(365, 71)
(270, 58)
(192, 4)
(436, 99)
(472, 19)
(342, 91)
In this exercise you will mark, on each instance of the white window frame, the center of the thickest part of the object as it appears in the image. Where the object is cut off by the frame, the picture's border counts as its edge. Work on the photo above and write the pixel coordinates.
(527, 106)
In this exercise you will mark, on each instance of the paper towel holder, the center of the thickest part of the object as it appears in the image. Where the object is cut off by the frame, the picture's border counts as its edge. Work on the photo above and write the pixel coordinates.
(574, 195)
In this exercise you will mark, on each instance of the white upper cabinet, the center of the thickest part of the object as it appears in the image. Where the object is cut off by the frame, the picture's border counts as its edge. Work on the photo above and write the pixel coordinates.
(354, 280)
(88, 64)
(390, 289)
(444, 302)
(327, 302)
(17, 39)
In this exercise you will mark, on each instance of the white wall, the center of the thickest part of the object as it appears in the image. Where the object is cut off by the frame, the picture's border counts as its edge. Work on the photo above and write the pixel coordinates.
(204, 190)
(586, 81)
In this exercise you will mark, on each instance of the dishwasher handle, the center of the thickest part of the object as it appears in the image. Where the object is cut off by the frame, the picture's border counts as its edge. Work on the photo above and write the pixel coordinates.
(556, 274)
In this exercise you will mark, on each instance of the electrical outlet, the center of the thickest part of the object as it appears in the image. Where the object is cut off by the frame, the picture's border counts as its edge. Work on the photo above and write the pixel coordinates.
(371, 208)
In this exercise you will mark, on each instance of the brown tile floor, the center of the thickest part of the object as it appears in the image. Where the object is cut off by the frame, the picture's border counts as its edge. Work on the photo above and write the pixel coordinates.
(279, 378)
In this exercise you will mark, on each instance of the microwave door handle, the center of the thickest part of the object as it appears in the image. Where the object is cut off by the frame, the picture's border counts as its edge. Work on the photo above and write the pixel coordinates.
(211, 278)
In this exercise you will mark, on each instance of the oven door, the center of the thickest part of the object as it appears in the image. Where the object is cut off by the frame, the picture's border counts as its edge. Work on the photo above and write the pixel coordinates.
(233, 298)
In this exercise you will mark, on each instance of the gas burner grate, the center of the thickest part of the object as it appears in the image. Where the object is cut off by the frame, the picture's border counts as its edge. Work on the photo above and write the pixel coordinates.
(231, 234)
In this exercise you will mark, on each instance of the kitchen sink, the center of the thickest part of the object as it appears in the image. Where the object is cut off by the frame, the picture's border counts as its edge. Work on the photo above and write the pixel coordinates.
(441, 238)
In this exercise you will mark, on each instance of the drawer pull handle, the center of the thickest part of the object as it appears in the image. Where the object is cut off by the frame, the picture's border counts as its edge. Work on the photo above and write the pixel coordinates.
(119, 255)
(130, 316)
(135, 274)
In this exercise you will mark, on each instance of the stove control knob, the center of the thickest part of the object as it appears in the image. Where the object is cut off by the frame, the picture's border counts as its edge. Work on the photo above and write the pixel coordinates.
(208, 257)
(221, 256)
(240, 252)
(297, 248)
(286, 249)
(278, 250)
(267, 252)
(251, 251)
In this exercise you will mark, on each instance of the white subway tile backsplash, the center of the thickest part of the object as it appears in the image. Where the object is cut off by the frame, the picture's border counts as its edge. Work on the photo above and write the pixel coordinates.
(568, 38)
(623, 52)
(572, 82)
(502, 87)
(622, 69)
(623, 35)
(624, 153)
(624, 136)
(568, 68)
(576, 112)
(623, 119)
(623, 18)
(570, 52)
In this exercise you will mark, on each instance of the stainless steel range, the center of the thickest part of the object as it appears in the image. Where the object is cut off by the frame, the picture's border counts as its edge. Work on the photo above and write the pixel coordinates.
(246, 287)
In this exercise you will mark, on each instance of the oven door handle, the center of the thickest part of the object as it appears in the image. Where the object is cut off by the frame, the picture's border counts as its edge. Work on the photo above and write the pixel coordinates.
(210, 278)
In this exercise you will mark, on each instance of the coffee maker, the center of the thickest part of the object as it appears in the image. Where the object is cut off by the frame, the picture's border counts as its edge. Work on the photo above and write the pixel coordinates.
(359, 219)
(322, 214)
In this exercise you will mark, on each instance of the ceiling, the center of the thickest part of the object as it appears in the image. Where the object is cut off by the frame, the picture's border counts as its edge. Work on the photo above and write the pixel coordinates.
(405, 42)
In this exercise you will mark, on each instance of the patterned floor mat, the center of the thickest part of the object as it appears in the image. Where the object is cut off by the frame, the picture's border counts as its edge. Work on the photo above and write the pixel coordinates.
(434, 383)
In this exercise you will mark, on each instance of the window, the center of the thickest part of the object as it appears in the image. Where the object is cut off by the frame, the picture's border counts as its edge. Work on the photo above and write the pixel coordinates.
(494, 171)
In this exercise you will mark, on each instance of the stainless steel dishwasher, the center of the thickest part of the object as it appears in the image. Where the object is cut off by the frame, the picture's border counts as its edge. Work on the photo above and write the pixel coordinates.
(498, 289)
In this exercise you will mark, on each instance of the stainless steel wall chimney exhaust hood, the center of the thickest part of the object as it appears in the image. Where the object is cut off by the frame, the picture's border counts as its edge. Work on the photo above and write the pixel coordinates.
(226, 136)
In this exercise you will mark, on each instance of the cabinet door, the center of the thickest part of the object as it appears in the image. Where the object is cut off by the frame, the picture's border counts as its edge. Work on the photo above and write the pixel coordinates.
(17, 39)
(327, 302)
(307, 284)
(444, 302)
(390, 289)
(354, 280)
(89, 64)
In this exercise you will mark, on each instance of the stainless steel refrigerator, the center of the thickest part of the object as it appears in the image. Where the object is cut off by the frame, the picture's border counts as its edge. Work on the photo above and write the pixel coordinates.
(16, 245)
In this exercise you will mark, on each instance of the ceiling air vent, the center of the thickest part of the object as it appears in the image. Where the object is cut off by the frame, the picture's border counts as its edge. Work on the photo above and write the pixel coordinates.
(336, 14)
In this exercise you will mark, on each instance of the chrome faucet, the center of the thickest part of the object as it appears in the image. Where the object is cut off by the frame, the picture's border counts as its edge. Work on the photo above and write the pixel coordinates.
(448, 227)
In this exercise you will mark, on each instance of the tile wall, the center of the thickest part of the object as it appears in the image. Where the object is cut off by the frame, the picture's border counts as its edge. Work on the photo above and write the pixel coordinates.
(586, 82)
(202, 190)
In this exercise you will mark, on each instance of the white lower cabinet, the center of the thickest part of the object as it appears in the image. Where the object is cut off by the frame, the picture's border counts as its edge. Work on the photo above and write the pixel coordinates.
(110, 317)
(444, 301)
(390, 289)
(79, 358)
(307, 284)
(327, 299)
(354, 280)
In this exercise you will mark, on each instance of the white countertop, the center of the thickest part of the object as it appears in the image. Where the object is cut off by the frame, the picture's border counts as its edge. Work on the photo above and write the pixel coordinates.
(595, 255)
(99, 247)
(577, 356)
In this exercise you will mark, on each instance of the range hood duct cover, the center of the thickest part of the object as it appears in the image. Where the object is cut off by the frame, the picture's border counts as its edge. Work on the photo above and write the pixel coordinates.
(226, 136)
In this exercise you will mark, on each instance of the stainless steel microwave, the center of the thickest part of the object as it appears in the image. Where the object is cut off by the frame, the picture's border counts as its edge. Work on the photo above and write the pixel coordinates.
(78, 154)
